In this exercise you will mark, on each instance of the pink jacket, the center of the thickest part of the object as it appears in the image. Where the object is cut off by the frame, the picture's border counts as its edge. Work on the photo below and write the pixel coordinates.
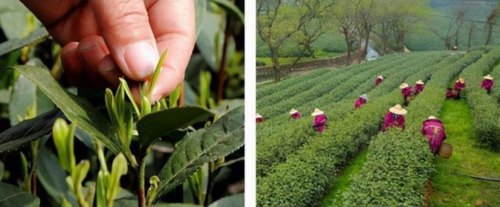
(433, 129)
(459, 86)
(406, 91)
(359, 102)
(418, 88)
(487, 84)
(319, 123)
(393, 120)
(296, 116)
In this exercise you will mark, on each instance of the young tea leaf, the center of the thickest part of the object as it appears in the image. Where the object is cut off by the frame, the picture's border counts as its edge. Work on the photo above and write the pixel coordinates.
(205, 145)
(87, 117)
(154, 125)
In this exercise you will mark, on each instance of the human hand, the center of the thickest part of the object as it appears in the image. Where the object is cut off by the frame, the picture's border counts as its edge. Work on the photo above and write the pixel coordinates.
(104, 39)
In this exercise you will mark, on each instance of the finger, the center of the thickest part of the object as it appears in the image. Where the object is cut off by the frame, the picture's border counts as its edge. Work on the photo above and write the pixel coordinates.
(125, 28)
(66, 20)
(109, 71)
(92, 50)
(72, 64)
(50, 11)
(175, 32)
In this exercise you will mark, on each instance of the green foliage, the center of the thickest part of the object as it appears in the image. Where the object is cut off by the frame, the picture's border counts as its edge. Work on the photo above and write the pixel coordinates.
(303, 177)
(63, 140)
(484, 108)
(77, 110)
(202, 146)
(171, 120)
(399, 162)
(13, 196)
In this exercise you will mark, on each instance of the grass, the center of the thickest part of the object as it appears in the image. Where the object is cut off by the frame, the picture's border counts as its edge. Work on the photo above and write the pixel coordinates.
(450, 186)
(342, 184)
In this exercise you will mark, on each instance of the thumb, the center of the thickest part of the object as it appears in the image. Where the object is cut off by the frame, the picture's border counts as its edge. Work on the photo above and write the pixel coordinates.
(128, 35)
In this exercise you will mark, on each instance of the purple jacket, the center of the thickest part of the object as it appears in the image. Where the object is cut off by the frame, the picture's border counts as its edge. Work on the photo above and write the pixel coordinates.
(487, 84)
(406, 91)
(393, 120)
(433, 129)
(418, 88)
(319, 123)
(359, 102)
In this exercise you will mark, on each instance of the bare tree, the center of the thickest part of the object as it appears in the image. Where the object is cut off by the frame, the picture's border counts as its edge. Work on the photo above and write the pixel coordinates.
(491, 21)
(471, 28)
(453, 30)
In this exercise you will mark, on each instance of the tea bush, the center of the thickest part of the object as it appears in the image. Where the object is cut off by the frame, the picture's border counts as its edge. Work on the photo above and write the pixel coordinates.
(329, 152)
(484, 108)
(399, 162)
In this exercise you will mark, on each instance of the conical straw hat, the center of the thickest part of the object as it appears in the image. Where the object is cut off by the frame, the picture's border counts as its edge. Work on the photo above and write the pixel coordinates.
(380, 77)
(461, 80)
(420, 82)
(397, 109)
(258, 116)
(317, 112)
(293, 111)
(404, 85)
(364, 96)
(488, 77)
(431, 117)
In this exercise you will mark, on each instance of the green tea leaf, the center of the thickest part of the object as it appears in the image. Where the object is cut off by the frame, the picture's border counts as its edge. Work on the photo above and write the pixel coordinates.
(28, 130)
(154, 125)
(77, 110)
(24, 96)
(200, 9)
(37, 36)
(52, 176)
(13, 196)
(231, 8)
(229, 201)
(205, 145)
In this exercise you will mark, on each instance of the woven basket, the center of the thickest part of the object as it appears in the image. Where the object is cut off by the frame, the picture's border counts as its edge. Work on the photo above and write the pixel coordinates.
(445, 151)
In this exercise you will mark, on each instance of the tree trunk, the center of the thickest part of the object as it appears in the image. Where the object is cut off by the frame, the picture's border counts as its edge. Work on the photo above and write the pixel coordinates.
(488, 35)
(471, 30)
(276, 64)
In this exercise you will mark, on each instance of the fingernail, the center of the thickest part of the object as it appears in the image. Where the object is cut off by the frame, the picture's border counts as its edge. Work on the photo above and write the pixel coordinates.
(106, 65)
(141, 58)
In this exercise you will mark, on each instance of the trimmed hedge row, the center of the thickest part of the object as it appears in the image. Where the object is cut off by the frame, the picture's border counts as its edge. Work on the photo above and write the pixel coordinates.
(325, 156)
(275, 148)
(302, 179)
(280, 121)
(399, 162)
(483, 107)
(495, 91)
(269, 89)
(286, 99)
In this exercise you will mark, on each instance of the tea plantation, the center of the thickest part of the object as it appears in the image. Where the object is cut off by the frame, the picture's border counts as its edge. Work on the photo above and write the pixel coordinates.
(297, 166)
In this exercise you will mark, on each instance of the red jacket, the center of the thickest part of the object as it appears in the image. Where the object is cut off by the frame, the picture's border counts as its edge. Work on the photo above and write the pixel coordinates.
(378, 81)
(296, 115)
